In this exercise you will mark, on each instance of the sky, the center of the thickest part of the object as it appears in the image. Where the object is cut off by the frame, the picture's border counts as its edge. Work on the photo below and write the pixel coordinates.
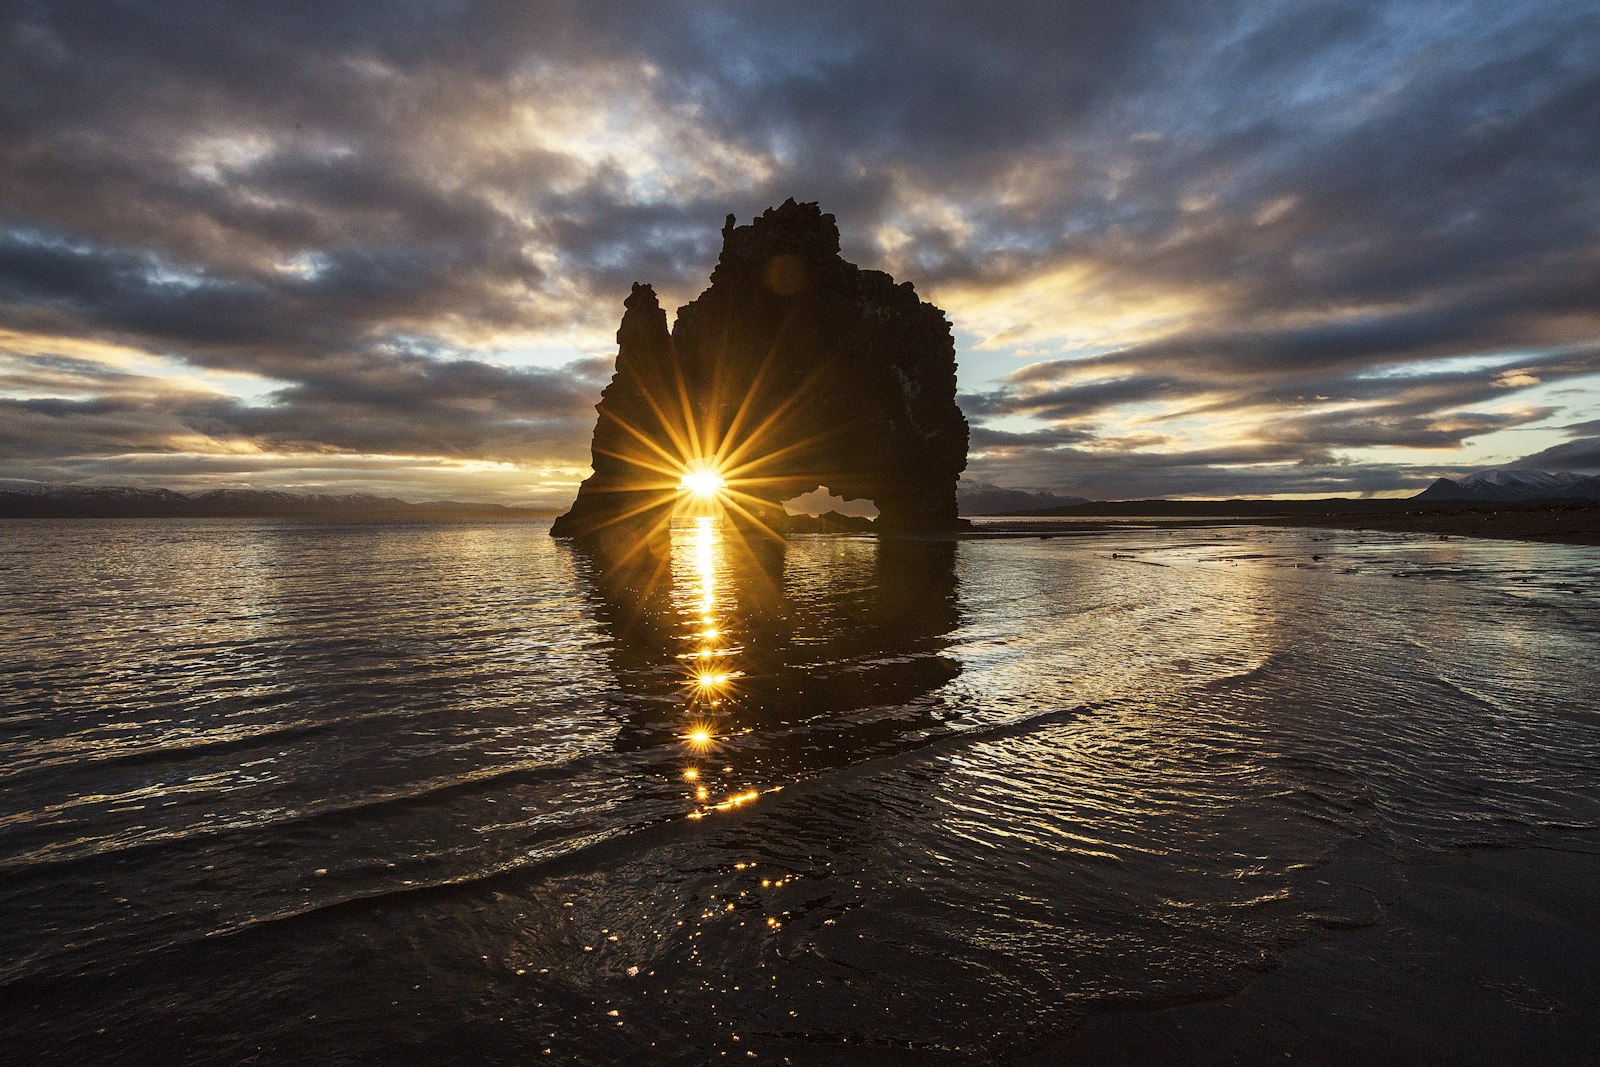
(1188, 249)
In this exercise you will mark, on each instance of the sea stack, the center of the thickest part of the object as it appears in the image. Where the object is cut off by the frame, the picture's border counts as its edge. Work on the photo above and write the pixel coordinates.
(795, 370)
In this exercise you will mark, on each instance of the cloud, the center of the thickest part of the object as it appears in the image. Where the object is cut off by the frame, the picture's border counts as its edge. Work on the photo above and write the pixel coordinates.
(1580, 455)
(1221, 242)
(1274, 418)
(401, 405)
(1229, 472)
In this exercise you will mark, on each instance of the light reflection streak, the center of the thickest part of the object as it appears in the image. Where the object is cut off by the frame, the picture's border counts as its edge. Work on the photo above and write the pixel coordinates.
(710, 675)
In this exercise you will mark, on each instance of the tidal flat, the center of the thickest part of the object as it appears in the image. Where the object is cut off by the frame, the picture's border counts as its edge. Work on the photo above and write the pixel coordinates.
(454, 792)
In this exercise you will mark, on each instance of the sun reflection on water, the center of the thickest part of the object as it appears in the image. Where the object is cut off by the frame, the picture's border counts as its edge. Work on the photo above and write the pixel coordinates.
(708, 657)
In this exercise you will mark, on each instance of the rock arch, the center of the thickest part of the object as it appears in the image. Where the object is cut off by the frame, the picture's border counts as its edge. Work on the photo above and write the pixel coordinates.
(794, 370)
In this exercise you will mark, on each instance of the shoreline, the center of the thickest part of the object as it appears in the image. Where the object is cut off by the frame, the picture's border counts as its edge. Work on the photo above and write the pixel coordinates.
(1566, 526)
(1555, 524)
(1570, 525)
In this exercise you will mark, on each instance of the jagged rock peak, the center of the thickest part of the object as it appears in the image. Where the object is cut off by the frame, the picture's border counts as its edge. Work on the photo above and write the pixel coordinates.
(791, 229)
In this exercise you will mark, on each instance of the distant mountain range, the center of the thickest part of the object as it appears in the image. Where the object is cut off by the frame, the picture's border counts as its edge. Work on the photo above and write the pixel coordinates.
(973, 498)
(1508, 486)
(109, 502)
(982, 498)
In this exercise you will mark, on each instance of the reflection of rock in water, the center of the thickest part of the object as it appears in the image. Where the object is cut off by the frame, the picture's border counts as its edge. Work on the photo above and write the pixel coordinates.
(637, 599)
(630, 594)
(795, 370)
(829, 645)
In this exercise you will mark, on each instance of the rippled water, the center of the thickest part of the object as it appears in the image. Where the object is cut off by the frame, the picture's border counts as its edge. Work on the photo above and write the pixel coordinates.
(457, 792)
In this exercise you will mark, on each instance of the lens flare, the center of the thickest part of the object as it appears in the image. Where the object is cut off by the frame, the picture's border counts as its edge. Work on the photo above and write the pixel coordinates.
(702, 482)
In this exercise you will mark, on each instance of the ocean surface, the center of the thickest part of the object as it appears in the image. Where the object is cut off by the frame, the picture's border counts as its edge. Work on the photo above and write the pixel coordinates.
(386, 792)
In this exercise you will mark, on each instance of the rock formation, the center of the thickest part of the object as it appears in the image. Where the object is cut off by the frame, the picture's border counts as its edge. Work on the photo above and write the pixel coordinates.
(795, 369)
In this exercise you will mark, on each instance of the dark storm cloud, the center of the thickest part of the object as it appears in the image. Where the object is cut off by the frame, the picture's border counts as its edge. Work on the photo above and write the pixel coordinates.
(1115, 475)
(1423, 408)
(460, 409)
(1297, 361)
(395, 406)
(113, 293)
(45, 428)
(950, 81)
(357, 202)
(1582, 429)
(1076, 401)
(986, 439)
(1583, 455)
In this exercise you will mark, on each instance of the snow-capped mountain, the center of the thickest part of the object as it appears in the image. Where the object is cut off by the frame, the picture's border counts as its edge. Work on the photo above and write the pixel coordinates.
(1505, 486)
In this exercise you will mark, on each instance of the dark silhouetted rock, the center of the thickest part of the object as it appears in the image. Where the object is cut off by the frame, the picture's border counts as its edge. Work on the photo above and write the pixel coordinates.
(795, 370)
(641, 411)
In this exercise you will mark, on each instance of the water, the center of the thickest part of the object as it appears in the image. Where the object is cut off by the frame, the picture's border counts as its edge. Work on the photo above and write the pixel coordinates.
(454, 792)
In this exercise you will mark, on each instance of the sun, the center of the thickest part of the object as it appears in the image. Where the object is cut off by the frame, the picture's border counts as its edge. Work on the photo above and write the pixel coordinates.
(702, 482)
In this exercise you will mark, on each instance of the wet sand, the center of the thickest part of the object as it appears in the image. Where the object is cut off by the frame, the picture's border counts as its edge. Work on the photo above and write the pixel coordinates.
(1478, 957)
